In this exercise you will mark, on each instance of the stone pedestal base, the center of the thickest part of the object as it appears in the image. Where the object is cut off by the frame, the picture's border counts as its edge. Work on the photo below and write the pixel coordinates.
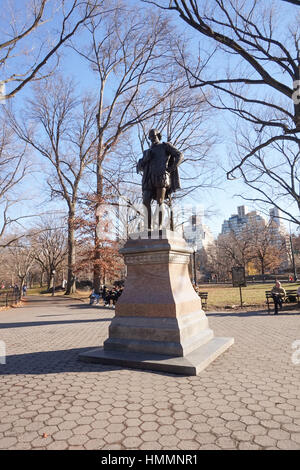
(159, 323)
(191, 364)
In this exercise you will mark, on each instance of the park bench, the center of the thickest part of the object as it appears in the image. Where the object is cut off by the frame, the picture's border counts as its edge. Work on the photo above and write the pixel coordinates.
(290, 295)
(203, 296)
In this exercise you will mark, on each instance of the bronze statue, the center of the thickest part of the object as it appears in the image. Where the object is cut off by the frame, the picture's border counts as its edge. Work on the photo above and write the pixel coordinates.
(160, 174)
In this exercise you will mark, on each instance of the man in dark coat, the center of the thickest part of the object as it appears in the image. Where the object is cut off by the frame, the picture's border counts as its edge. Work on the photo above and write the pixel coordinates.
(160, 173)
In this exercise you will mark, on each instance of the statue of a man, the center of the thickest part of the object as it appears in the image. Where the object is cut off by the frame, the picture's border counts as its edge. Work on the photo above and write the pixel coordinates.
(160, 174)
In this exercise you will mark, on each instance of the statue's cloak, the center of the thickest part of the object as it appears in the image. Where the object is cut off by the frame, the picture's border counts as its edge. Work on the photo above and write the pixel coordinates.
(175, 160)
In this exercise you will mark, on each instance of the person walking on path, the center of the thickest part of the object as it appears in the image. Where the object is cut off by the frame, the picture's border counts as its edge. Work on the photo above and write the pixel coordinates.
(278, 294)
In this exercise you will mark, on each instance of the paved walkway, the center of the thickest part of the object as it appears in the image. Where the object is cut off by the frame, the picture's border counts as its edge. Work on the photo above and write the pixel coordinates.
(249, 398)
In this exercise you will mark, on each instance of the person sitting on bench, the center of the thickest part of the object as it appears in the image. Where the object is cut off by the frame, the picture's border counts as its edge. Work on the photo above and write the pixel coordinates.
(278, 294)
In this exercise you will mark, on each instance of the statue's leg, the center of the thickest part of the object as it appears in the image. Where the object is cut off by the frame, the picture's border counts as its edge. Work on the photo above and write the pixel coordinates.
(147, 210)
(160, 197)
(171, 214)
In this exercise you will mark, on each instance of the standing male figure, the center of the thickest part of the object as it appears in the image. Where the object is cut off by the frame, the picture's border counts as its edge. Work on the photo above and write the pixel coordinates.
(160, 174)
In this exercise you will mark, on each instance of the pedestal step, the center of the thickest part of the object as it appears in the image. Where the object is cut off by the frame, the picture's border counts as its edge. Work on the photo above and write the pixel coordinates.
(191, 364)
(168, 336)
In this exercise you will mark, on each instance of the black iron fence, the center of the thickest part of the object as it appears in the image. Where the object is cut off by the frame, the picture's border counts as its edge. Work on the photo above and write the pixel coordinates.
(8, 298)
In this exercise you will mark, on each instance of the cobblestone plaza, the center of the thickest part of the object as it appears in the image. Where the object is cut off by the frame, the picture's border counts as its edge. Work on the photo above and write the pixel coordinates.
(249, 398)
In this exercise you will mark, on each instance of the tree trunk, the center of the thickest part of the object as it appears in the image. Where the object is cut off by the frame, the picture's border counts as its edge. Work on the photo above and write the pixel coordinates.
(71, 280)
(262, 270)
(97, 257)
(42, 278)
(22, 282)
(50, 280)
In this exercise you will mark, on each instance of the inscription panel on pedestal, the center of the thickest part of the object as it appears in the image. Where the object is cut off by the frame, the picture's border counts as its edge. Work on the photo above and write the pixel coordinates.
(157, 258)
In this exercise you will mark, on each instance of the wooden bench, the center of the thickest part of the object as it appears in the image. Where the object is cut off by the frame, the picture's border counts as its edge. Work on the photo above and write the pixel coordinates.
(203, 296)
(290, 293)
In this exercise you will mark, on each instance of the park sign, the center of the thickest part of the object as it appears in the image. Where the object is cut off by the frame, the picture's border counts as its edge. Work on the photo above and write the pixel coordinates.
(238, 276)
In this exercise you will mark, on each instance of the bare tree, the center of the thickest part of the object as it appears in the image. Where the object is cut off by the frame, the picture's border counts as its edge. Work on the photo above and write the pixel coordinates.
(49, 241)
(25, 48)
(130, 60)
(14, 165)
(21, 259)
(273, 174)
(217, 264)
(235, 248)
(64, 135)
(259, 85)
(294, 2)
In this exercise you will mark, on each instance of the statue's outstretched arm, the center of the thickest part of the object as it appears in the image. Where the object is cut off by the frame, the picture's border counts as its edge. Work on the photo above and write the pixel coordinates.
(176, 154)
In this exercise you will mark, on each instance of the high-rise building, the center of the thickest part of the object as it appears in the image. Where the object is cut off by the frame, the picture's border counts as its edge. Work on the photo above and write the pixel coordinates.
(242, 211)
(275, 216)
(278, 229)
(195, 232)
(237, 222)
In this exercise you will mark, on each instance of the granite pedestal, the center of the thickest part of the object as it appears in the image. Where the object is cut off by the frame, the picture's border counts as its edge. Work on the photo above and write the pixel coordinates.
(159, 323)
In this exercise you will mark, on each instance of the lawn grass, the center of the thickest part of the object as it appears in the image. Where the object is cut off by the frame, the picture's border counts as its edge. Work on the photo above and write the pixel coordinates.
(36, 291)
(79, 294)
(224, 295)
(220, 296)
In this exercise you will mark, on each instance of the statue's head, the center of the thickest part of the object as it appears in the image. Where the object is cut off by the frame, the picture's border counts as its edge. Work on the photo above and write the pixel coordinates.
(154, 135)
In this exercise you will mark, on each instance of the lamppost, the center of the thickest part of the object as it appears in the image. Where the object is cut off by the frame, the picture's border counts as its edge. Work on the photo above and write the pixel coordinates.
(194, 263)
(293, 257)
(53, 285)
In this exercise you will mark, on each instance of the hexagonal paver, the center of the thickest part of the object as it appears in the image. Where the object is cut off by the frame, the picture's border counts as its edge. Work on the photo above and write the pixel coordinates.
(149, 426)
(148, 417)
(287, 445)
(83, 429)
(113, 438)
(62, 435)
(169, 441)
(150, 436)
(186, 434)
(235, 425)
(265, 441)
(205, 438)
(132, 442)
(113, 428)
(98, 433)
